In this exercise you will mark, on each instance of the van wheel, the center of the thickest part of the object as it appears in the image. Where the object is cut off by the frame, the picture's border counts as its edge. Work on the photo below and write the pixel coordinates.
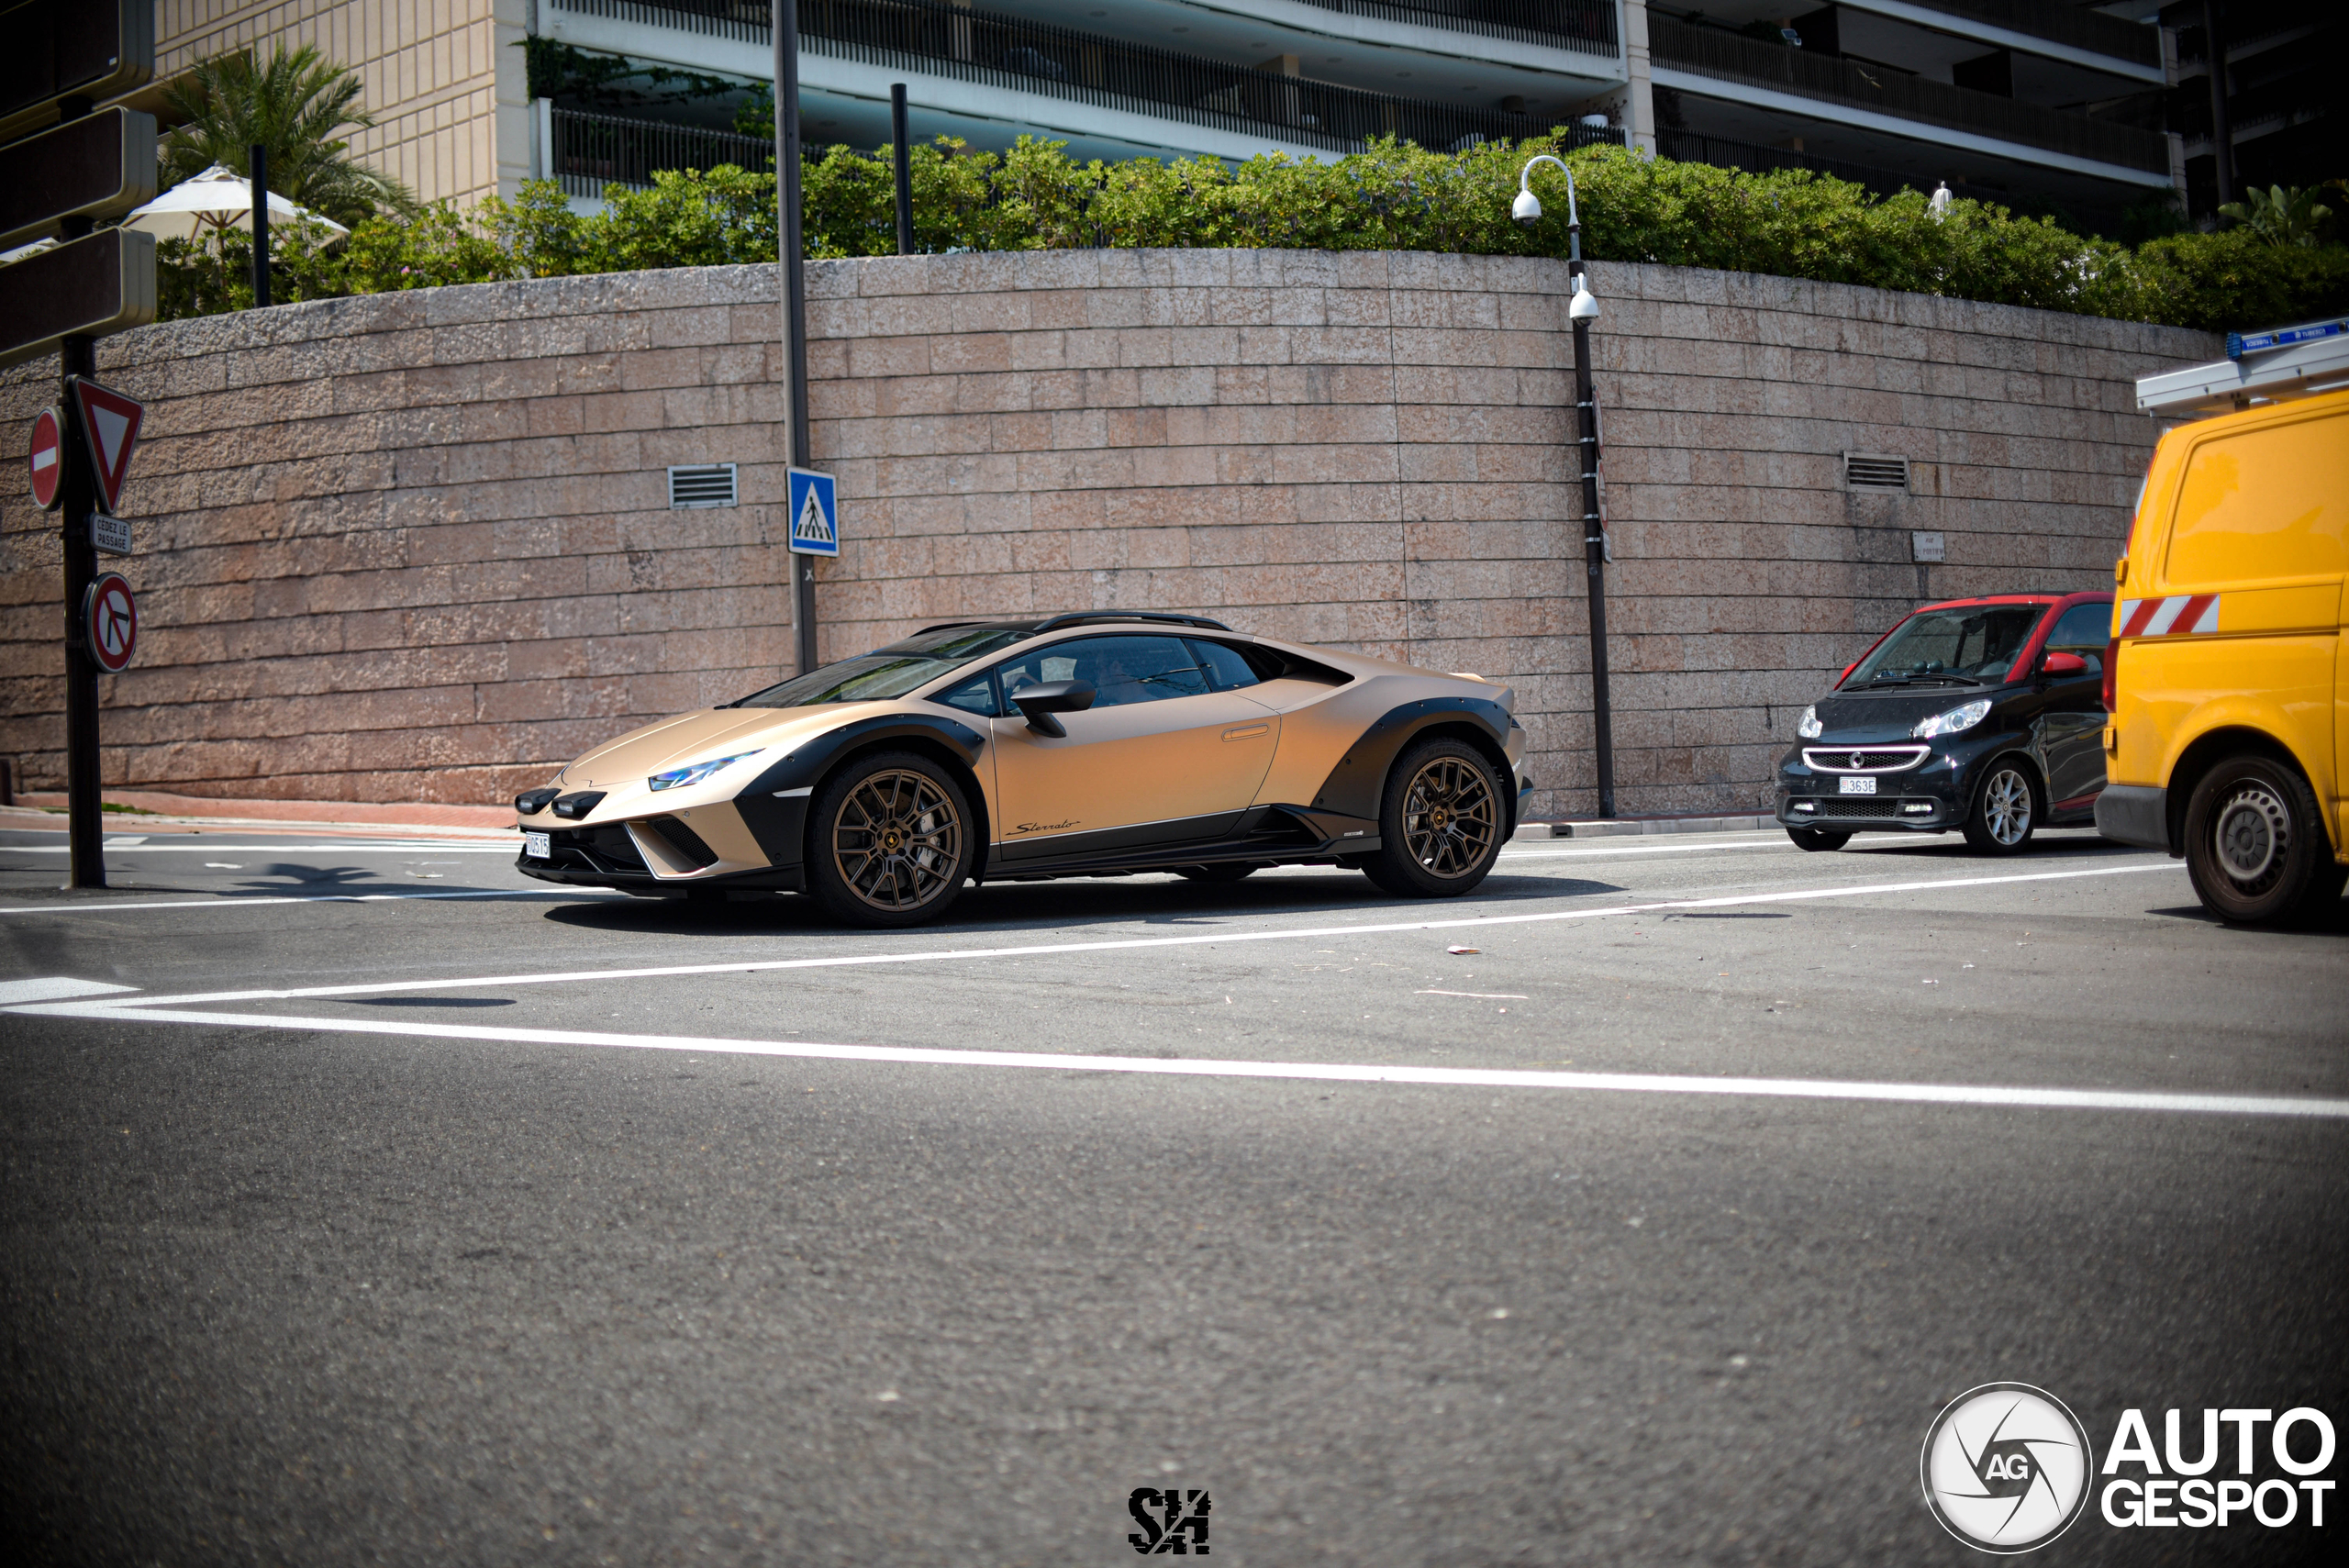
(2006, 810)
(1440, 822)
(2255, 846)
(1818, 839)
(888, 841)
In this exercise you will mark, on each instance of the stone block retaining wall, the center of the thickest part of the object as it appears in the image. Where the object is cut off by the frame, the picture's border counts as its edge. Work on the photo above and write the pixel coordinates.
(417, 546)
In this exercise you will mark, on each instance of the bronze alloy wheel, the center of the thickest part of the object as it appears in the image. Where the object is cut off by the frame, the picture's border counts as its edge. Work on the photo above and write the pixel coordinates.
(1448, 816)
(893, 841)
(1439, 829)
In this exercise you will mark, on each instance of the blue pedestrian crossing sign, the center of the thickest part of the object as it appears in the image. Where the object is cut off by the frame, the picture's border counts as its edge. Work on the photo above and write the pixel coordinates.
(815, 514)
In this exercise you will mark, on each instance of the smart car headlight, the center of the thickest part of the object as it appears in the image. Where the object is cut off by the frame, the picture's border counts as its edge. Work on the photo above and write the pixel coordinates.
(1955, 720)
(677, 778)
(1808, 725)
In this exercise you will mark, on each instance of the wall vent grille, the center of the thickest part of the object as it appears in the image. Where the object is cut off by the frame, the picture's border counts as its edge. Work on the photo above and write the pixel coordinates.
(702, 484)
(1875, 471)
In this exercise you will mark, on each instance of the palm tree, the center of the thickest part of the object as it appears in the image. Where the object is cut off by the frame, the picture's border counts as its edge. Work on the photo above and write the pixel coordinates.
(294, 105)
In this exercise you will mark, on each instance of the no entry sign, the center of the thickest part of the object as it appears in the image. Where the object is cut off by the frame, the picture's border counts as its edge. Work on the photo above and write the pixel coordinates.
(110, 622)
(47, 460)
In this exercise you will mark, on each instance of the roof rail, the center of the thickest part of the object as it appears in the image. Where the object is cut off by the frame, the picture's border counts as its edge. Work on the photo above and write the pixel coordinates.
(1086, 616)
(950, 625)
(2264, 367)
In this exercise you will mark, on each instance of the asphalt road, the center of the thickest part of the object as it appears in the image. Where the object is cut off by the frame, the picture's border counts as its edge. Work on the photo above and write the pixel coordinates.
(401, 1211)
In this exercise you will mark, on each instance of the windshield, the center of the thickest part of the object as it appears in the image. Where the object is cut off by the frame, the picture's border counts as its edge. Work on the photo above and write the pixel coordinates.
(1963, 645)
(890, 672)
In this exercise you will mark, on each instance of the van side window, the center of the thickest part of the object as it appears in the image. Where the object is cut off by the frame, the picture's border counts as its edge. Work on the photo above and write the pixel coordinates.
(2266, 502)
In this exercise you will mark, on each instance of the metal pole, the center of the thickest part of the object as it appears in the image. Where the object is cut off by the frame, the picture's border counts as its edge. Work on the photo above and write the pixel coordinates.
(86, 819)
(85, 816)
(2223, 137)
(795, 300)
(903, 158)
(257, 162)
(1594, 543)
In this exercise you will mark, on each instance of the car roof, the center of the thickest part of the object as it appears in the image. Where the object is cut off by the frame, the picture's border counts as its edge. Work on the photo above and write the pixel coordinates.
(2011, 599)
(1034, 626)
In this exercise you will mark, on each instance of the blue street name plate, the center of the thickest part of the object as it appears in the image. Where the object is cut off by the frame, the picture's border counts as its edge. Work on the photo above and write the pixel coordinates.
(815, 514)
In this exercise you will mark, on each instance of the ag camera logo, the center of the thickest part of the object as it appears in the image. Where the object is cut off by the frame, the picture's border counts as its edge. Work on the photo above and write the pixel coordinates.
(2006, 1467)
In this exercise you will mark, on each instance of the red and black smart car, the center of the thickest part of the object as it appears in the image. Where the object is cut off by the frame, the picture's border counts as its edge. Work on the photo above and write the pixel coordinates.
(1982, 715)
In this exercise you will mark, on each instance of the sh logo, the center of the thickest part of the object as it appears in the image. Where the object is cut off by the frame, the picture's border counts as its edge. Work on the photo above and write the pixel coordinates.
(1173, 1522)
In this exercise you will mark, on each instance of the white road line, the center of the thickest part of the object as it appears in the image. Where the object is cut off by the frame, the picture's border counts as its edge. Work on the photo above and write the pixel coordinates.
(1318, 1072)
(240, 900)
(210, 847)
(1128, 944)
(1479, 996)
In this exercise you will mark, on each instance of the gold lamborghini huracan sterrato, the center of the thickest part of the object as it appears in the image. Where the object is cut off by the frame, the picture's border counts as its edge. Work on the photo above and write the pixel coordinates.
(1011, 751)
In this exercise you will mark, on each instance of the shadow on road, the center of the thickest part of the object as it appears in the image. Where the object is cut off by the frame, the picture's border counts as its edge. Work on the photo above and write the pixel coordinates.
(1061, 906)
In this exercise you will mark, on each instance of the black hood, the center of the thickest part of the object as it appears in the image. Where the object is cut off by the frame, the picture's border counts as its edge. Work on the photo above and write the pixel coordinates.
(1863, 717)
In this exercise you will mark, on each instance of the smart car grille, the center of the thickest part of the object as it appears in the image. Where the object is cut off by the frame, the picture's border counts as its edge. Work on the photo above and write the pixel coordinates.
(1834, 805)
(1864, 760)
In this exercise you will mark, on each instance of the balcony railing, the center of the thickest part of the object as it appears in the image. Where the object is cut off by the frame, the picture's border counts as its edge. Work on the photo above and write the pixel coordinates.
(1711, 52)
(1584, 25)
(923, 37)
(2090, 30)
(594, 150)
(1691, 147)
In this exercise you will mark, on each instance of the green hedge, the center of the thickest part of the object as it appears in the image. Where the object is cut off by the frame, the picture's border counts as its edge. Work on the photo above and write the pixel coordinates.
(1793, 223)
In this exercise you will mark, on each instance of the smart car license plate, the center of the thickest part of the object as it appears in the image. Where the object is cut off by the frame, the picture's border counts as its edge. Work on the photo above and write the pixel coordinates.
(1850, 786)
(540, 845)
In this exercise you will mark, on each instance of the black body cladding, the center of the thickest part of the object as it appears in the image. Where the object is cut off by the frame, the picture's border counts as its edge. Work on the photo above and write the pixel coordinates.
(780, 824)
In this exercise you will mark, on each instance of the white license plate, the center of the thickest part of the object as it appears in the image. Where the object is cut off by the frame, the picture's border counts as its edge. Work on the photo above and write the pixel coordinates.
(1850, 786)
(538, 846)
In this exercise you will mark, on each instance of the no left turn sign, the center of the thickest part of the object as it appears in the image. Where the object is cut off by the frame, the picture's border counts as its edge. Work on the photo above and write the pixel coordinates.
(47, 460)
(110, 622)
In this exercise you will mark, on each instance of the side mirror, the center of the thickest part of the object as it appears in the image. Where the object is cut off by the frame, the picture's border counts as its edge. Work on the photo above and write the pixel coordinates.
(2063, 666)
(1041, 701)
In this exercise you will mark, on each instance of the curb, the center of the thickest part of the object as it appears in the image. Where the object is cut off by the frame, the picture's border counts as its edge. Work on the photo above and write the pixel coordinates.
(1640, 827)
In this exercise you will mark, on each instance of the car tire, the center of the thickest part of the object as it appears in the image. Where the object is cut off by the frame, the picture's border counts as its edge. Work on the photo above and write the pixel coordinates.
(1816, 838)
(1225, 872)
(890, 841)
(1440, 822)
(2255, 846)
(2006, 809)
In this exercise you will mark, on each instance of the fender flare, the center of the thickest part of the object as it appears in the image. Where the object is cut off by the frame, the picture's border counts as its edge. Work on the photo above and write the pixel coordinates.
(775, 804)
(1358, 784)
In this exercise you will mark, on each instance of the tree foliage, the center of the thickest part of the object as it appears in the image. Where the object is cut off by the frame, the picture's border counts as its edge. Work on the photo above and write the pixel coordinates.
(1792, 222)
(296, 106)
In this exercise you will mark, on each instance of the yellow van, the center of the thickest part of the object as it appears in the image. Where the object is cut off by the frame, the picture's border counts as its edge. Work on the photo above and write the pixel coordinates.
(2228, 676)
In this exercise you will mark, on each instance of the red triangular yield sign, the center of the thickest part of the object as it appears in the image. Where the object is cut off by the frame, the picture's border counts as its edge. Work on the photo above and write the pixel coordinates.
(110, 426)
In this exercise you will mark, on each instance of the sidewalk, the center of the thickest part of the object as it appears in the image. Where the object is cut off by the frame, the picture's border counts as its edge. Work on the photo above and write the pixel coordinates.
(187, 813)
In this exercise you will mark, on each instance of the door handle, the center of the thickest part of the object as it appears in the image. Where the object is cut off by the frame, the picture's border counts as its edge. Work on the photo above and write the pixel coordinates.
(1247, 731)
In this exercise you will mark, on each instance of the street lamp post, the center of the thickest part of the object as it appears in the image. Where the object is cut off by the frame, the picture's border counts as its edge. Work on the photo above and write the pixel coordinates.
(1581, 313)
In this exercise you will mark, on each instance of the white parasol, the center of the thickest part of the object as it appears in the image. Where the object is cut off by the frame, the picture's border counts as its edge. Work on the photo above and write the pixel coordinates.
(219, 199)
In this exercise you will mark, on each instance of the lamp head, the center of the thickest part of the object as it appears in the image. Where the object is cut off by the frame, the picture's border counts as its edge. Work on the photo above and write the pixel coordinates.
(1586, 303)
(1526, 209)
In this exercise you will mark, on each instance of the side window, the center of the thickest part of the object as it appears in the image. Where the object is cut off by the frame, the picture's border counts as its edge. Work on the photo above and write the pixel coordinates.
(1122, 670)
(2083, 630)
(2267, 502)
(1226, 669)
(972, 697)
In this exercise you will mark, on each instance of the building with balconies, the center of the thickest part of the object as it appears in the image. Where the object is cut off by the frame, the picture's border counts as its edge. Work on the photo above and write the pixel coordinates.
(2048, 106)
